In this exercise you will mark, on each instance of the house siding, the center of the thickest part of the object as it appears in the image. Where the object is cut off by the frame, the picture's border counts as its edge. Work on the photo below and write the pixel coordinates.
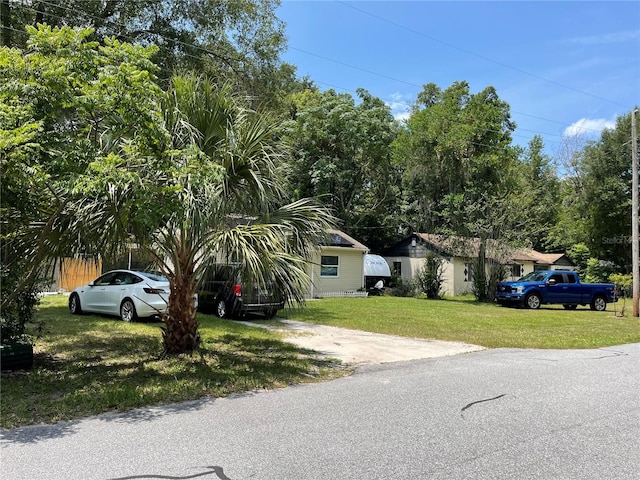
(350, 272)
(460, 286)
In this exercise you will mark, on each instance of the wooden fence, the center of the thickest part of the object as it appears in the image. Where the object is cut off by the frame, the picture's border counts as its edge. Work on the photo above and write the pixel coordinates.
(75, 272)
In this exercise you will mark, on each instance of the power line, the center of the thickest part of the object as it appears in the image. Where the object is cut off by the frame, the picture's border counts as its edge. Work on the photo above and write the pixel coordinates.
(403, 103)
(338, 62)
(207, 51)
(469, 52)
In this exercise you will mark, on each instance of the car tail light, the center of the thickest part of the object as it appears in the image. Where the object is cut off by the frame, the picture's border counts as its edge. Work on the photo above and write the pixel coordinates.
(157, 291)
(237, 289)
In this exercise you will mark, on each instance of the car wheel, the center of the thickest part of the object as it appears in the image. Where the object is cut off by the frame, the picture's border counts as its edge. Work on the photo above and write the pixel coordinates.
(221, 309)
(569, 306)
(128, 311)
(599, 303)
(533, 301)
(74, 304)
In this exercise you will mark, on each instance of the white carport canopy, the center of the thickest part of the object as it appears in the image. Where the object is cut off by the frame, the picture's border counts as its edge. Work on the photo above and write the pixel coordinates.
(376, 266)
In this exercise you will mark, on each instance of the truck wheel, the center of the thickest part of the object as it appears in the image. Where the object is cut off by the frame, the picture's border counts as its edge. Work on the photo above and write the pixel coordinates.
(599, 303)
(533, 301)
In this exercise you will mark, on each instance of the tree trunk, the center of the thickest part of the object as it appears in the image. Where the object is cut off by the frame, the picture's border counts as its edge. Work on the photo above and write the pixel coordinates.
(180, 332)
(480, 273)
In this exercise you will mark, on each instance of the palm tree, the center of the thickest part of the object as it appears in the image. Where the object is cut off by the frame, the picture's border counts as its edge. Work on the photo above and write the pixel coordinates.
(231, 203)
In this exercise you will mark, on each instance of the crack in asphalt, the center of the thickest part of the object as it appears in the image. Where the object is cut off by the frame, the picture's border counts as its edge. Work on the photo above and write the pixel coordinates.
(469, 405)
(614, 352)
(217, 470)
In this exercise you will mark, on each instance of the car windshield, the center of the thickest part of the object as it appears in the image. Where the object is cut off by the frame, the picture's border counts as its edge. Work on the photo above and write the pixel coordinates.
(533, 277)
(153, 276)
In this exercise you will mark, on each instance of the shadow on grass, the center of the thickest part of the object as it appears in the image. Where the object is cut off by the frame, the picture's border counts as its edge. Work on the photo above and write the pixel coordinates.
(125, 373)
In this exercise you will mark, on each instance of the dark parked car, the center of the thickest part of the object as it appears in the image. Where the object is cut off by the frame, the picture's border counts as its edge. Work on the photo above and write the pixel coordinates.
(224, 293)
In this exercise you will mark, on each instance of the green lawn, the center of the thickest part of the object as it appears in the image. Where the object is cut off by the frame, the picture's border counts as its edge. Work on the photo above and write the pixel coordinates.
(463, 319)
(89, 364)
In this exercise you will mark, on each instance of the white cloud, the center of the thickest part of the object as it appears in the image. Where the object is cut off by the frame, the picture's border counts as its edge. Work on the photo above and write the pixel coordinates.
(400, 108)
(587, 126)
(606, 38)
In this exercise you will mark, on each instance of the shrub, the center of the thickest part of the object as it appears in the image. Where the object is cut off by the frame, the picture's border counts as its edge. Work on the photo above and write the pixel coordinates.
(429, 278)
(19, 312)
(400, 287)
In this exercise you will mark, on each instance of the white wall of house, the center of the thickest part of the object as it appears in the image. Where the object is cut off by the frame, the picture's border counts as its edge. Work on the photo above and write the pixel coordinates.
(408, 266)
(526, 267)
(448, 276)
(463, 280)
(350, 272)
(455, 273)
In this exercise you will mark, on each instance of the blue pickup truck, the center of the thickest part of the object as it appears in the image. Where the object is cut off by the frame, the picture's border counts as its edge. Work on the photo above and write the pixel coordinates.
(555, 286)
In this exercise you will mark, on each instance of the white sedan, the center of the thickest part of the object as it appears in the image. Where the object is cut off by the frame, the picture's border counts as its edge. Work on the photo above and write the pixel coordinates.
(124, 293)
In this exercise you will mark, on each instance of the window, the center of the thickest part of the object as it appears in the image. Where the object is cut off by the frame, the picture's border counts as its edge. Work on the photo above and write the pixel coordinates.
(105, 279)
(558, 277)
(468, 272)
(397, 268)
(516, 270)
(329, 266)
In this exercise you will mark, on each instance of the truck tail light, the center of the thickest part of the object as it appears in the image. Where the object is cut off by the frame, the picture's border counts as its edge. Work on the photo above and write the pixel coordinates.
(237, 289)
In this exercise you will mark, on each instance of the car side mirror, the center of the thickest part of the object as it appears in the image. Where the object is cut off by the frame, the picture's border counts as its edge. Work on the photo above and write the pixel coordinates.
(91, 284)
(552, 281)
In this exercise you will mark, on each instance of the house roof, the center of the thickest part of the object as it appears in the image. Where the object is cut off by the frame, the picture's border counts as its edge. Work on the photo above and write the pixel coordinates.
(469, 247)
(337, 238)
(550, 258)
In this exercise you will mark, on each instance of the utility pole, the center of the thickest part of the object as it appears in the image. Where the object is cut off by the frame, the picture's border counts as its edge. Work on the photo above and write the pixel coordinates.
(635, 263)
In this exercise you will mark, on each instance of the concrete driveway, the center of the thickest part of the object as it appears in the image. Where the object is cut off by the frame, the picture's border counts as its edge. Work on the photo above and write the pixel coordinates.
(355, 347)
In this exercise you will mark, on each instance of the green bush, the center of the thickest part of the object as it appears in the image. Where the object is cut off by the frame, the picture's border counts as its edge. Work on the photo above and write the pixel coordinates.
(19, 312)
(400, 287)
(429, 278)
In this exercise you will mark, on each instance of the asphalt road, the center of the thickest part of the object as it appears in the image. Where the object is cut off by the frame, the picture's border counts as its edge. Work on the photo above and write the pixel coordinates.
(493, 414)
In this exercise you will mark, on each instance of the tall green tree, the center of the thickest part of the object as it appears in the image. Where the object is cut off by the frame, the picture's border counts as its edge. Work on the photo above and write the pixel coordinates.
(538, 196)
(110, 160)
(218, 195)
(606, 195)
(341, 151)
(239, 41)
(458, 166)
(455, 150)
(570, 226)
(64, 101)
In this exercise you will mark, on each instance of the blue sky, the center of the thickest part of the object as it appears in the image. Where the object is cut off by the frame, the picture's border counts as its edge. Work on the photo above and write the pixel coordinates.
(563, 67)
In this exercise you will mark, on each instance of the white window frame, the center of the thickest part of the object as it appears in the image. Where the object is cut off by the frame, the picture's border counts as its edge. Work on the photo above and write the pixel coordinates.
(334, 267)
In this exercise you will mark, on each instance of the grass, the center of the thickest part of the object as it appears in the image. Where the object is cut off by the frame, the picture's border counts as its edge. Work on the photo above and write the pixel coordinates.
(464, 320)
(86, 365)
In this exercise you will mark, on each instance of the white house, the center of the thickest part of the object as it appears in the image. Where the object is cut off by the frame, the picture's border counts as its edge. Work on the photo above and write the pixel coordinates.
(407, 257)
(551, 261)
(338, 268)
